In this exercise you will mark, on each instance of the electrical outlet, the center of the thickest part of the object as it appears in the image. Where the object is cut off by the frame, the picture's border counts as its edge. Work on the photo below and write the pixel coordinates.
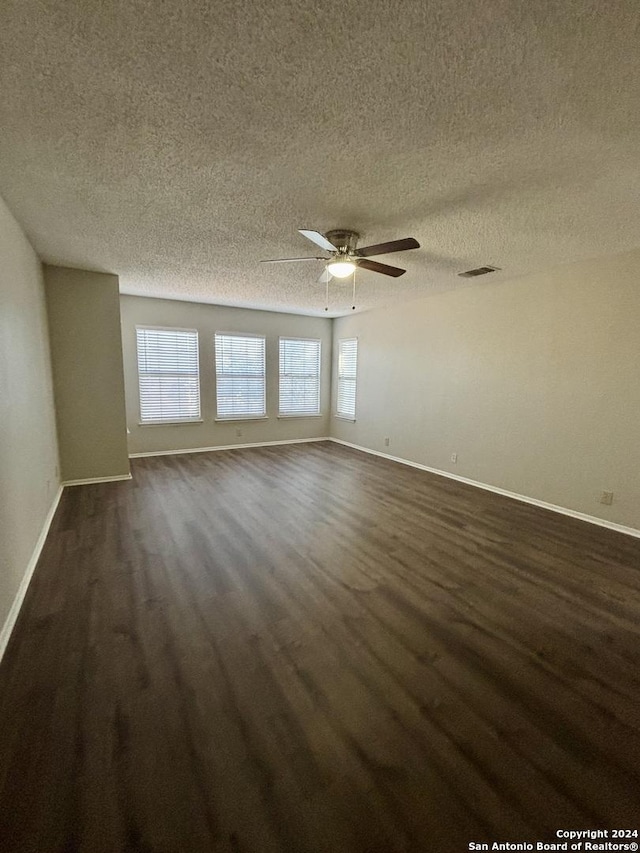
(386, 442)
(454, 457)
(606, 498)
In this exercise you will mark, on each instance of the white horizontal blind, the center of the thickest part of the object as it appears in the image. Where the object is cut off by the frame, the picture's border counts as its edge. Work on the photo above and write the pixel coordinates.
(240, 376)
(299, 376)
(347, 369)
(168, 375)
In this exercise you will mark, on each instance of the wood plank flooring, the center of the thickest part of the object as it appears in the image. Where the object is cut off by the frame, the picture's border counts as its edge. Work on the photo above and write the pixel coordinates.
(305, 648)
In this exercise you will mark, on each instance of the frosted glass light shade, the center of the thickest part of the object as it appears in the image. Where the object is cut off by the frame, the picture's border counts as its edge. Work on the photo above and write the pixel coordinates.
(341, 269)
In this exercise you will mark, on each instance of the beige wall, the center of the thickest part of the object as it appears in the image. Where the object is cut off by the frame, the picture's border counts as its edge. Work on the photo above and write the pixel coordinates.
(86, 354)
(208, 319)
(28, 449)
(534, 383)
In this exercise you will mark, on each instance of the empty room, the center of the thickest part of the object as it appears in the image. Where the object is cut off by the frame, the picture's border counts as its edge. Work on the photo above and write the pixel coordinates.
(319, 426)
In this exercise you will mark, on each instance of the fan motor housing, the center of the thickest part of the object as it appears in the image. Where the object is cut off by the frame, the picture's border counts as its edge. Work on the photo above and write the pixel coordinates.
(345, 241)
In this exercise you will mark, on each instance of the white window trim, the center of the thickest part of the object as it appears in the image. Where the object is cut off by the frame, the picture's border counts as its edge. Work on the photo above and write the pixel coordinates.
(338, 414)
(241, 418)
(166, 329)
(171, 421)
(240, 334)
(318, 414)
(286, 417)
(184, 422)
(231, 418)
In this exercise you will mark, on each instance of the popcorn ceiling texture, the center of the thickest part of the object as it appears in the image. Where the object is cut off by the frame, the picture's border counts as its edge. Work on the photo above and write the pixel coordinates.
(177, 143)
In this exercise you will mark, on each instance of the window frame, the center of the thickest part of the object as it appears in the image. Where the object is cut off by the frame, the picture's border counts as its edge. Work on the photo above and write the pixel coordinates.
(169, 421)
(237, 416)
(317, 413)
(347, 416)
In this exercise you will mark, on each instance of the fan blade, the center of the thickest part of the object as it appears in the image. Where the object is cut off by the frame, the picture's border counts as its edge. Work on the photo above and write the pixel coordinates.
(387, 248)
(290, 260)
(319, 239)
(376, 266)
(325, 276)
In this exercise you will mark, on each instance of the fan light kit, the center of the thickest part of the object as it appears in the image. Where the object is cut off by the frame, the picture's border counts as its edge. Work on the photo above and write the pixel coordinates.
(340, 269)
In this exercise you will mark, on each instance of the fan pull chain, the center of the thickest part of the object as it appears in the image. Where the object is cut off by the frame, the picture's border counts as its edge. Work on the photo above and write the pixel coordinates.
(353, 307)
(326, 298)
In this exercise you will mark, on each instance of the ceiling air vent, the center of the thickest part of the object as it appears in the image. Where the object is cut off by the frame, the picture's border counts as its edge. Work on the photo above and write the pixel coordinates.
(477, 271)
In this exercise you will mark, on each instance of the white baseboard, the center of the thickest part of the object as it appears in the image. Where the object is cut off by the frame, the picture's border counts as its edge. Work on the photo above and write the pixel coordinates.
(12, 617)
(91, 480)
(226, 447)
(591, 519)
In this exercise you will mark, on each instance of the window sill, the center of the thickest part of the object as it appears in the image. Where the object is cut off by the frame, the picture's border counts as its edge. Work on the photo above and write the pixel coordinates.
(168, 423)
(241, 418)
(282, 417)
(345, 418)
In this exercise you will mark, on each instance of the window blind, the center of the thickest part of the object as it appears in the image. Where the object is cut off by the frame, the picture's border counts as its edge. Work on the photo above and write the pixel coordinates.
(168, 375)
(240, 376)
(347, 369)
(299, 376)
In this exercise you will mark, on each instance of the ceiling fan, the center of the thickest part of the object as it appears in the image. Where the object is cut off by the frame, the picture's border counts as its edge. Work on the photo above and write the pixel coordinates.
(345, 258)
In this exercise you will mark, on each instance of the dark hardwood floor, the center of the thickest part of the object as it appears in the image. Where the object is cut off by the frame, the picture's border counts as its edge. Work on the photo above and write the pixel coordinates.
(306, 648)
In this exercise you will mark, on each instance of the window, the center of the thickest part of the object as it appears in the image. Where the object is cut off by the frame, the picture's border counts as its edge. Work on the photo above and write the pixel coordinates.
(240, 377)
(347, 368)
(299, 376)
(168, 375)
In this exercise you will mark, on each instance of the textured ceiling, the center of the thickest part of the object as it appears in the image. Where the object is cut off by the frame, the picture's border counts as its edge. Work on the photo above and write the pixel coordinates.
(177, 143)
